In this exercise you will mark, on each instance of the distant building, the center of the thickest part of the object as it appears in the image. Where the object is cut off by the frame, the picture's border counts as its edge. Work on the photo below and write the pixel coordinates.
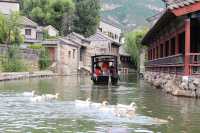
(111, 30)
(31, 31)
(102, 44)
(70, 53)
(64, 53)
(114, 31)
(52, 32)
(8, 6)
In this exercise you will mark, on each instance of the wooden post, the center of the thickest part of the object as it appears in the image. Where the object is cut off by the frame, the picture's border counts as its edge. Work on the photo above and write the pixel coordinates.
(158, 50)
(164, 47)
(187, 48)
(170, 48)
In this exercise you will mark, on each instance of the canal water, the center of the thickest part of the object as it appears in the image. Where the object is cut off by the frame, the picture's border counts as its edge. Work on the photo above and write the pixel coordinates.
(19, 114)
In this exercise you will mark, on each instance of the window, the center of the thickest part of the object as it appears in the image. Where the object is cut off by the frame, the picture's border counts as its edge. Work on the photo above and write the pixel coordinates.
(69, 54)
(74, 53)
(27, 31)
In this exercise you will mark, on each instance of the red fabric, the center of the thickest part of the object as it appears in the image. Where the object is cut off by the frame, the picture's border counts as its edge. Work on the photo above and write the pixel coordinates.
(97, 71)
(105, 66)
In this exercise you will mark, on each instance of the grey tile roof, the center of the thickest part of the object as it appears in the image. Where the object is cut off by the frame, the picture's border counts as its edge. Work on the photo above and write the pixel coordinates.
(180, 3)
(99, 36)
(64, 41)
(27, 22)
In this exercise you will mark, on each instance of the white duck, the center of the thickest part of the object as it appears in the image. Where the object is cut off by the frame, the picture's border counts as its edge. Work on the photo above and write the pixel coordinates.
(51, 96)
(83, 103)
(132, 106)
(104, 106)
(29, 94)
(38, 98)
(125, 110)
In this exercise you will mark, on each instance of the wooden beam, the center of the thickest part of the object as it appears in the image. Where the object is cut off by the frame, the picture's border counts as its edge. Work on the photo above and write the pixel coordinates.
(186, 9)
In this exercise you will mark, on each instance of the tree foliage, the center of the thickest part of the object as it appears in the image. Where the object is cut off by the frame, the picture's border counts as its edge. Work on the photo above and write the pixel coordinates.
(87, 17)
(12, 62)
(133, 44)
(10, 29)
(46, 12)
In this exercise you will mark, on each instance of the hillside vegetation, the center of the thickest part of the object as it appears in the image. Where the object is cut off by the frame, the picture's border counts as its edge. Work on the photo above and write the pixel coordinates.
(130, 12)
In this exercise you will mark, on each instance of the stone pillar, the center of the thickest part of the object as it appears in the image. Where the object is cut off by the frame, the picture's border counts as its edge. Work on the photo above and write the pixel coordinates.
(187, 48)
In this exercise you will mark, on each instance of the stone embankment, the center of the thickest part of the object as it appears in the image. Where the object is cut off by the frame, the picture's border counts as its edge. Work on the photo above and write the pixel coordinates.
(25, 75)
(175, 85)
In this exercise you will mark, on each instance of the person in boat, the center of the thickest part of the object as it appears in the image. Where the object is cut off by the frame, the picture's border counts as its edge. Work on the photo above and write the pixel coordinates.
(105, 69)
(97, 71)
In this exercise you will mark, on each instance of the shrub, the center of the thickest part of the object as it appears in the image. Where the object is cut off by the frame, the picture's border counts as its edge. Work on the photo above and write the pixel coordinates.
(35, 46)
(12, 63)
(44, 59)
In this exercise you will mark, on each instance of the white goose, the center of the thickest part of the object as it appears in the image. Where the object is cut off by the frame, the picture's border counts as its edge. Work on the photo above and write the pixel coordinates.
(131, 106)
(104, 106)
(125, 110)
(51, 96)
(29, 94)
(38, 98)
(83, 103)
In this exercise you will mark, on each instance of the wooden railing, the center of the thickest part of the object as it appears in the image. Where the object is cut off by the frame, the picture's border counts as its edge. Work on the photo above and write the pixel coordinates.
(194, 63)
(172, 64)
(170, 60)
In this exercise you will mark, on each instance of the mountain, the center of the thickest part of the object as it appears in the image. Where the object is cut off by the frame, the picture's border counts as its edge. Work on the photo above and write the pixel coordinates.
(130, 13)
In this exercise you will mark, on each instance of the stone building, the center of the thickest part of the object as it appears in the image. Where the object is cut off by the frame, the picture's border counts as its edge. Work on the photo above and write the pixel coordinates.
(64, 55)
(111, 29)
(31, 31)
(102, 44)
(114, 31)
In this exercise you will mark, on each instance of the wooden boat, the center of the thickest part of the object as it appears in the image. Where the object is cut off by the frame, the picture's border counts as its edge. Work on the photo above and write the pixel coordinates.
(102, 76)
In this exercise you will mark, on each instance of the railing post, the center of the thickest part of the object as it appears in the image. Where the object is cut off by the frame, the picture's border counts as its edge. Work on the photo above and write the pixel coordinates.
(177, 44)
(187, 48)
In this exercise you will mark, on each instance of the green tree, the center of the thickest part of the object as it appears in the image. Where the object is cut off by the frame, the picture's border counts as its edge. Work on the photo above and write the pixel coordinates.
(87, 17)
(10, 29)
(133, 44)
(52, 12)
(10, 35)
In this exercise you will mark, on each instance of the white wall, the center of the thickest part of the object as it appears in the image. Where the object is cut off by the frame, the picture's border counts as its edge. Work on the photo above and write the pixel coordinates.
(109, 28)
(7, 7)
(33, 33)
(52, 32)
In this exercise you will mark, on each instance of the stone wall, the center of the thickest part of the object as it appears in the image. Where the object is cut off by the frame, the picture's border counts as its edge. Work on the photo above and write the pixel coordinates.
(29, 57)
(68, 60)
(175, 85)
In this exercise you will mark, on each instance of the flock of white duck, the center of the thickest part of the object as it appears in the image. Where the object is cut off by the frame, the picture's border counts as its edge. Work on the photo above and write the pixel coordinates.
(119, 110)
(40, 98)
